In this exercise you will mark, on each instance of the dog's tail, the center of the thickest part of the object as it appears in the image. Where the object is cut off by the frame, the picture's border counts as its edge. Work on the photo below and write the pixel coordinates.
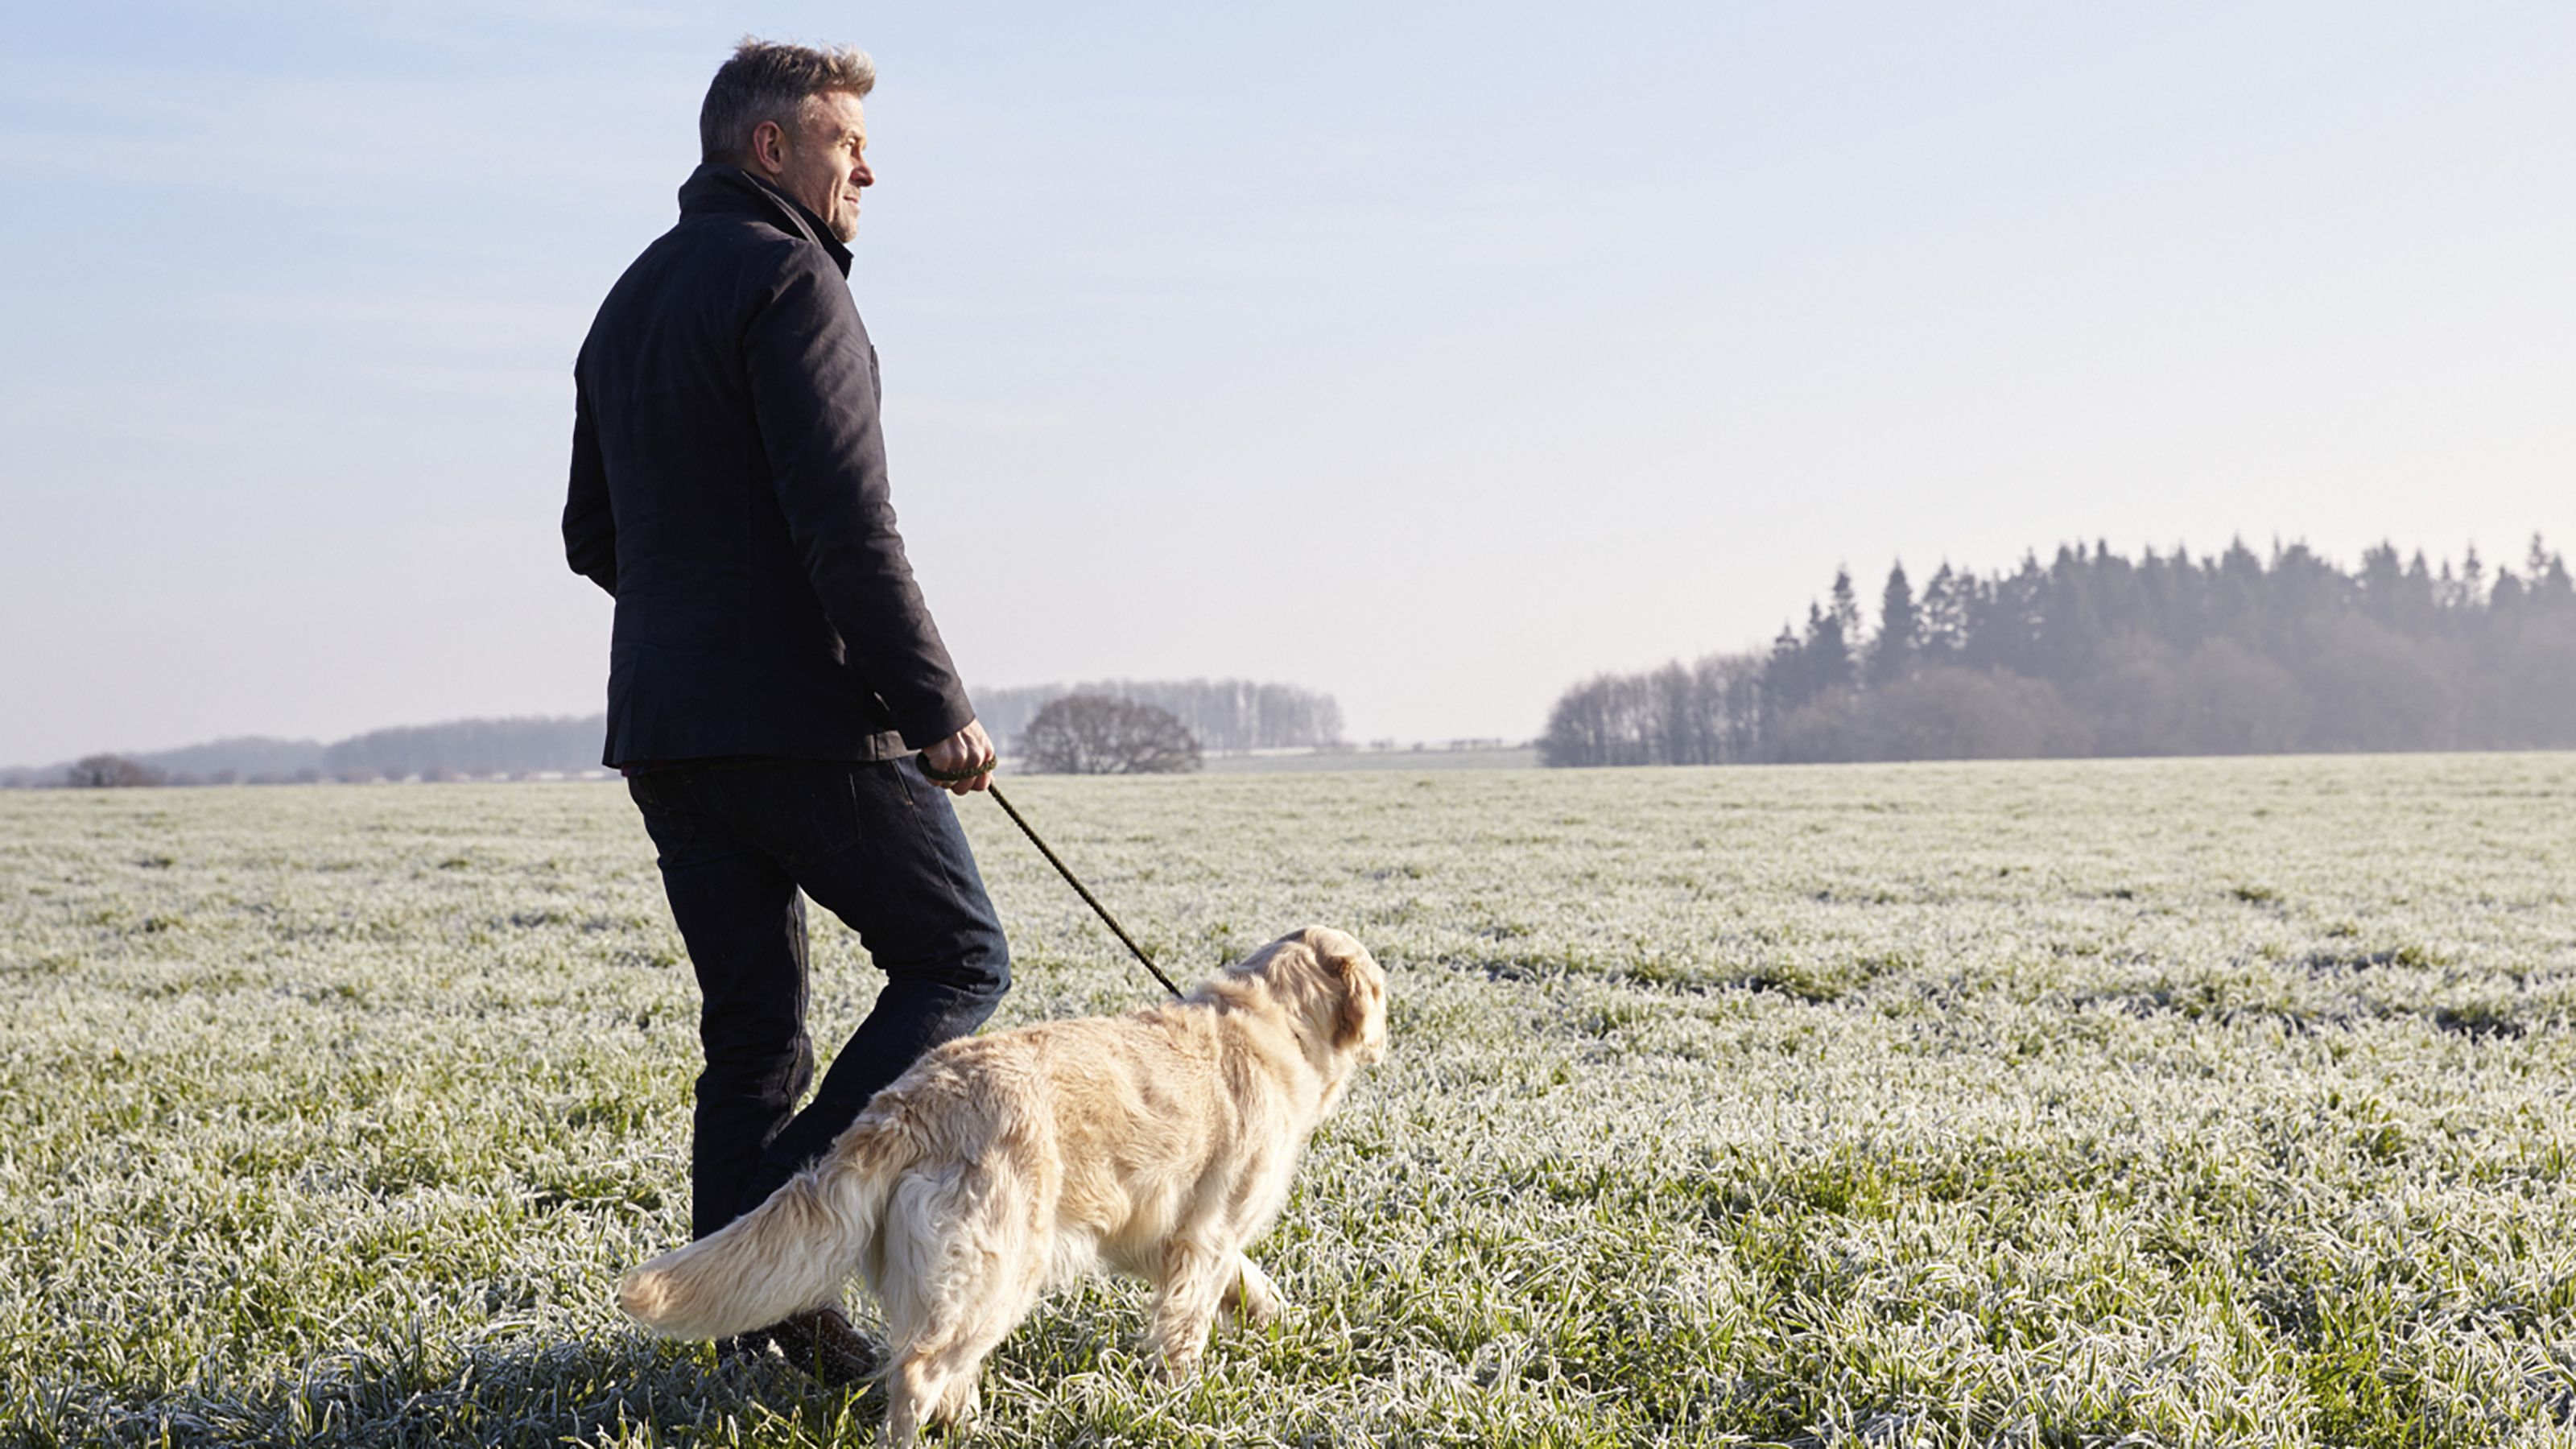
(786, 1256)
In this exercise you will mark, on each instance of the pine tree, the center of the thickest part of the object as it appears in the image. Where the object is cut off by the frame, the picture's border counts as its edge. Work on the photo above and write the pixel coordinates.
(1891, 654)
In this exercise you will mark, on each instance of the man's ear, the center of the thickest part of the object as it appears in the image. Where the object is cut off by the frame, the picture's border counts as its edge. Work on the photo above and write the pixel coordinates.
(767, 153)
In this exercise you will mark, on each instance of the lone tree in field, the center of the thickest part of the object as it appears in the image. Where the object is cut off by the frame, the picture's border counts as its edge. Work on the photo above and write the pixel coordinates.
(107, 772)
(1092, 734)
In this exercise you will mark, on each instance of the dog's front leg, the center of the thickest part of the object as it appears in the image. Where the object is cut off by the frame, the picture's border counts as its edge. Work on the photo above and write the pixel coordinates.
(1195, 1280)
(1250, 1296)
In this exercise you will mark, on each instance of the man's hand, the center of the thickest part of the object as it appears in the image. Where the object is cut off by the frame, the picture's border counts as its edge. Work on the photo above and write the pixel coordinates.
(963, 762)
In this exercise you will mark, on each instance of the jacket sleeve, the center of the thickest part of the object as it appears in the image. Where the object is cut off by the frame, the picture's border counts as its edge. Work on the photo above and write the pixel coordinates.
(814, 390)
(589, 522)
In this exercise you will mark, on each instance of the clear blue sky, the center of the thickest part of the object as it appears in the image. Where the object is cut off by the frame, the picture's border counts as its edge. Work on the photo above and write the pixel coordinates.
(1436, 355)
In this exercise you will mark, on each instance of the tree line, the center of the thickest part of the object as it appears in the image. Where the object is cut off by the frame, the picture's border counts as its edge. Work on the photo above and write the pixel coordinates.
(456, 750)
(1220, 715)
(523, 746)
(2095, 653)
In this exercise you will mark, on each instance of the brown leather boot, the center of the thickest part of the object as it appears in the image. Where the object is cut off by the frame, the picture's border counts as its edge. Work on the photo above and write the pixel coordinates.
(826, 1345)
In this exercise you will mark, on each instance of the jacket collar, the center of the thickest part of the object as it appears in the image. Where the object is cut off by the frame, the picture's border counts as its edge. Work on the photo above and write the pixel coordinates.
(716, 187)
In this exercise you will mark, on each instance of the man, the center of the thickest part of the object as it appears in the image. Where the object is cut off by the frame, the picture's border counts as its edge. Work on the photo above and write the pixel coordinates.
(773, 665)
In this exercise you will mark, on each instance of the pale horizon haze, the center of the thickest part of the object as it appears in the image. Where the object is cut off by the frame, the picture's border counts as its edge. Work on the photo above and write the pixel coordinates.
(1435, 356)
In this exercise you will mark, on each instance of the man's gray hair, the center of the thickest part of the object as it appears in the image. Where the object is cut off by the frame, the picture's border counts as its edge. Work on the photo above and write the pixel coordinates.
(769, 81)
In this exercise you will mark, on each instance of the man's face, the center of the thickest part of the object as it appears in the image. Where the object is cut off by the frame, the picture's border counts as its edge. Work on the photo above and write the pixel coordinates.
(822, 160)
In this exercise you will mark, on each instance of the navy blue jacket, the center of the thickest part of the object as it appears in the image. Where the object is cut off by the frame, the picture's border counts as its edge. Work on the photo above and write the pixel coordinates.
(729, 488)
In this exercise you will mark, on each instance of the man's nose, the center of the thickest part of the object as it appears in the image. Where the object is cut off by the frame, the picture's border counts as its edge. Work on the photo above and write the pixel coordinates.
(863, 174)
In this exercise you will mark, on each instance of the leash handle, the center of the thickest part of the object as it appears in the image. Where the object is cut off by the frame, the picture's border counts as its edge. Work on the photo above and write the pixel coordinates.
(1088, 898)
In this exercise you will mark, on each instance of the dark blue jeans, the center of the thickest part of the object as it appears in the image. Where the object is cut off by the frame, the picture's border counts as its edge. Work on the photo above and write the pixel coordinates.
(873, 843)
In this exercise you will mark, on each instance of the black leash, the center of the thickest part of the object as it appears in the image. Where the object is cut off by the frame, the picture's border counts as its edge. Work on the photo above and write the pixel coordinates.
(1094, 901)
(1063, 870)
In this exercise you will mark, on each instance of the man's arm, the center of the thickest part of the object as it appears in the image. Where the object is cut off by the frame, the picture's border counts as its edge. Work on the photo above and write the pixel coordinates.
(814, 390)
(589, 523)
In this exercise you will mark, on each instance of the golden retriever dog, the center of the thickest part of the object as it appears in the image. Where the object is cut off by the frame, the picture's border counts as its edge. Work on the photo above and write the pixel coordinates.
(1158, 1143)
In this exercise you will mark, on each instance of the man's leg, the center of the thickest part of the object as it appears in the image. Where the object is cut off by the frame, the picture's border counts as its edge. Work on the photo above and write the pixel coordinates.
(744, 924)
(903, 877)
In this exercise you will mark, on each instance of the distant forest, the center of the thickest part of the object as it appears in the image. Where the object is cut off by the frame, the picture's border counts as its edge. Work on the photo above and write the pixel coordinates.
(1226, 716)
(2096, 654)
(457, 750)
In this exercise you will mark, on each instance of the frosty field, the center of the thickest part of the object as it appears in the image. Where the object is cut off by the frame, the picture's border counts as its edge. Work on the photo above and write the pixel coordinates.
(2186, 1101)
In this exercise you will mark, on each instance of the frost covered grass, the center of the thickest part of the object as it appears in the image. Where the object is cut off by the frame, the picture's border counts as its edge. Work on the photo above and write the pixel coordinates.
(2041, 1103)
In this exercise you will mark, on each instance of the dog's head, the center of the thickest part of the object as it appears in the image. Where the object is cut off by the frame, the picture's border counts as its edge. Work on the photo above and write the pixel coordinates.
(1333, 988)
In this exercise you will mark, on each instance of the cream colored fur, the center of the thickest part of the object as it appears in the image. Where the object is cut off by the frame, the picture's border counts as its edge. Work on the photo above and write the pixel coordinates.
(1157, 1143)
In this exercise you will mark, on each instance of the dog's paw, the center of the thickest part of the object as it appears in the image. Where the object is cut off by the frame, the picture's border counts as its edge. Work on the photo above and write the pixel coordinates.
(1177, 1367)
(959, 1408)
(1252, 1298)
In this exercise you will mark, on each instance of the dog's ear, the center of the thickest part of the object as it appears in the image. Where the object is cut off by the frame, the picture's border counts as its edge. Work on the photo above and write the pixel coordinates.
(1350, 989)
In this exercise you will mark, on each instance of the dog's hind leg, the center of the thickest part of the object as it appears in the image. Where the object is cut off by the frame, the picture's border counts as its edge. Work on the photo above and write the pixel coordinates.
(938, 1382)
(972, 1262)
(937, 1379)
(1195, 1280)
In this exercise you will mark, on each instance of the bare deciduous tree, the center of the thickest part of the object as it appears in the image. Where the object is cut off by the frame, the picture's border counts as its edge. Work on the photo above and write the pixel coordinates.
(1091, 734)
(110, 772)
(1225, 716)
